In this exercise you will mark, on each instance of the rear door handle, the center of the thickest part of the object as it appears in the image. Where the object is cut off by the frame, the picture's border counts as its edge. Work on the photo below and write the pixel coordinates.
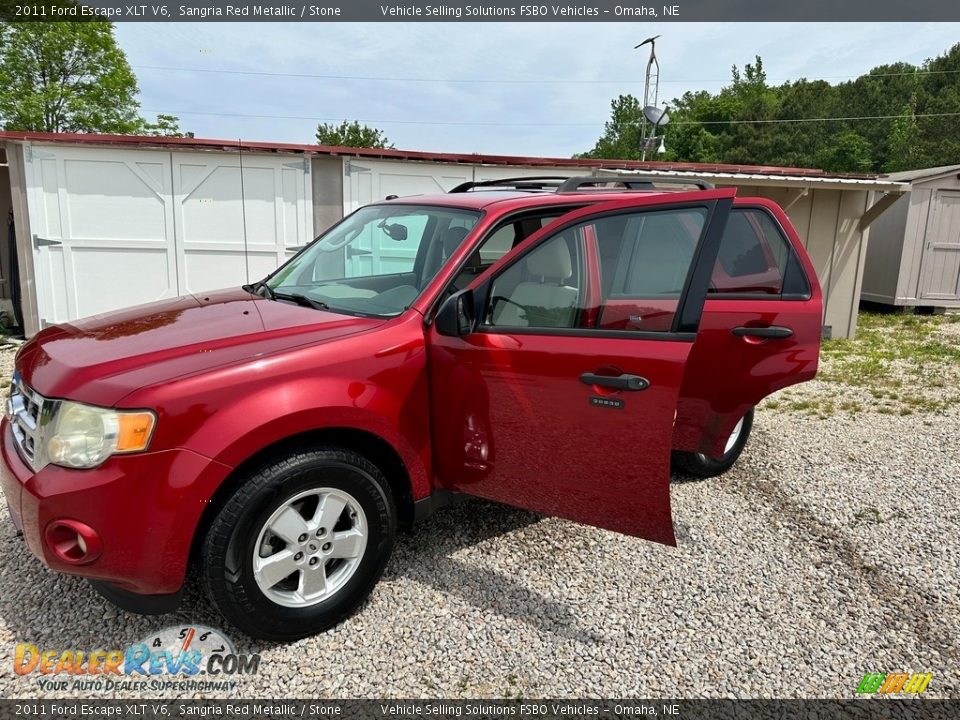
(772, 331)
(620, 382)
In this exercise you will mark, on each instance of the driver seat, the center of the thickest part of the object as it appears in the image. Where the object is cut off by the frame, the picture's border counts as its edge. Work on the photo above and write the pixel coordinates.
(548, 302)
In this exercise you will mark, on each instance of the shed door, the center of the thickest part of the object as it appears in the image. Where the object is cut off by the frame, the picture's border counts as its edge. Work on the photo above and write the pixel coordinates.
(115, 227)
(102, 229)
(229, 232)
(941, 262)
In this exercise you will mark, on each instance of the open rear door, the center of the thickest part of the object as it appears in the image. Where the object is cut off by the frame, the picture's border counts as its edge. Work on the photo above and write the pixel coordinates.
(561, 398)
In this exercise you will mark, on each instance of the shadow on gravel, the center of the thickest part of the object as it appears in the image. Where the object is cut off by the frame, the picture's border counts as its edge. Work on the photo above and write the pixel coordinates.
(48, 609)
(910, 606)
(426, 557)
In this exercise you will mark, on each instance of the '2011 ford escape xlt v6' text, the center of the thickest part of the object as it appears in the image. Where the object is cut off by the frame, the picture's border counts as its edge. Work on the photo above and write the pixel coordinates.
(554, 345)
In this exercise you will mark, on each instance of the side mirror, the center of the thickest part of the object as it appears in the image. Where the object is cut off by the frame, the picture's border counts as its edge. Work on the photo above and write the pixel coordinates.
(456, 316)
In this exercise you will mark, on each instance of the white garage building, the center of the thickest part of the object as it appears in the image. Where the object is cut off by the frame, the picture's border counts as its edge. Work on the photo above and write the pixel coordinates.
(103, 221)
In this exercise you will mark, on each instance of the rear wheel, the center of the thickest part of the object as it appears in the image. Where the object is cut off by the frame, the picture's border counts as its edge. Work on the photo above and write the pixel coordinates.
(702, 466)
(300, 544)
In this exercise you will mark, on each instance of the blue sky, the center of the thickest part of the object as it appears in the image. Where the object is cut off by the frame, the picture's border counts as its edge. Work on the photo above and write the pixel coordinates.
(447, 109)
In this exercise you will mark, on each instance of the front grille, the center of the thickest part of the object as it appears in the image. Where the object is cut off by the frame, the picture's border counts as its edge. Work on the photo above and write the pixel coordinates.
(26, 412)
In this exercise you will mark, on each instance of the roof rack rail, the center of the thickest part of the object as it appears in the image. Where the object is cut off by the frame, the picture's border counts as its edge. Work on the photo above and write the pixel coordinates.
(538, 182)
(630, 182)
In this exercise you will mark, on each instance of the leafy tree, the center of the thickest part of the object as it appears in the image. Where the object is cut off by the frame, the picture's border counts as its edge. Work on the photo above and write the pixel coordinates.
(897, 116)
(166, 125)
(65, 77)
(846, 152)
(351, 134)
(903, 151)
(937, 141)
(621, 134)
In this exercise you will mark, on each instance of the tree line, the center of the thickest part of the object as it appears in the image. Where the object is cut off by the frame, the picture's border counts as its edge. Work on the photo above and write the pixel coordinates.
(750, 121)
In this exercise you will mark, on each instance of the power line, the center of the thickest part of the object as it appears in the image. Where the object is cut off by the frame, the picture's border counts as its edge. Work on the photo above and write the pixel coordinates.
(369, 122)
(503, 81)
(259, 73)
(822, 119)
(549, 124)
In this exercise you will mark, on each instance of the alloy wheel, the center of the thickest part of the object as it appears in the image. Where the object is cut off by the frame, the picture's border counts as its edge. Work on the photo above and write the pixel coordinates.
(310, 547)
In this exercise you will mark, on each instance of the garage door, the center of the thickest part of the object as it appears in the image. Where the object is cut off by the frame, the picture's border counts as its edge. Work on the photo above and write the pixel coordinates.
(113, 228)
(223, 240)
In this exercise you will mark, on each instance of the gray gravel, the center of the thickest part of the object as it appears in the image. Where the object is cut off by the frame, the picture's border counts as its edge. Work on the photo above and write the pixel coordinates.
(829, 551)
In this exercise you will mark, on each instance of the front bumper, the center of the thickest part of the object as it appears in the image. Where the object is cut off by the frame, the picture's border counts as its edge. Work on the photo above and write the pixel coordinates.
(145, 508)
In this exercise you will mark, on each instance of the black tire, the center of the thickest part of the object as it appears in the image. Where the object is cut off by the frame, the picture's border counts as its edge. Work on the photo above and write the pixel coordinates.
(701, 466)
(227, 570)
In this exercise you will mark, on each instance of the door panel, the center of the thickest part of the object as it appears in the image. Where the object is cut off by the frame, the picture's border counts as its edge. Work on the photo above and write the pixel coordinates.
(519, 414)
(513, 422)
(730, 368)
(728, 374)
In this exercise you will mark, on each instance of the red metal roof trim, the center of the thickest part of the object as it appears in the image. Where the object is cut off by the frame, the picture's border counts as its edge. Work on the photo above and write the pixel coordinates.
(421, 156)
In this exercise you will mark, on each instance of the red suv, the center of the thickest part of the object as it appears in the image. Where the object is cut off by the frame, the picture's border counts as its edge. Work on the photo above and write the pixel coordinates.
(550, 345)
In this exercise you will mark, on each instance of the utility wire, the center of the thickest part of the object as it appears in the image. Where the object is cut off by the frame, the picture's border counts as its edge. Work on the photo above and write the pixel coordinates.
(504, 81)
(551, 124)
(822, 119)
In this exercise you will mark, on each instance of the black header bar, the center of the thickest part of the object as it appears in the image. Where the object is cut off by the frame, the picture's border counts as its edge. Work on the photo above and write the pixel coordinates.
(489, 11)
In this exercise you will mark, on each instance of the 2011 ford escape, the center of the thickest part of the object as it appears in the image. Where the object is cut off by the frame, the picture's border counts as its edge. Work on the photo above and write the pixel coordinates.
(550, 345)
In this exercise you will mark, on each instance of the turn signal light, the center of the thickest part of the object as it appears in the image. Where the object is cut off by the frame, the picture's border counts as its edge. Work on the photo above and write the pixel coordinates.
(134, 431)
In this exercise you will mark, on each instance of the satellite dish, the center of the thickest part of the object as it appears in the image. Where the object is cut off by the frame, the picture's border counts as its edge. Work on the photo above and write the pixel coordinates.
(656, 116)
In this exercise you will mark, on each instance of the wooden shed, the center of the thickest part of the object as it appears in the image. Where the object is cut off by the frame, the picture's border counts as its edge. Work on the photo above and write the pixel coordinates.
(913, 257)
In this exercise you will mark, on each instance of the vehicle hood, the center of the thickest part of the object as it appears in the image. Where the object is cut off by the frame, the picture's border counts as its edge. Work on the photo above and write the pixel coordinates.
(103, 358)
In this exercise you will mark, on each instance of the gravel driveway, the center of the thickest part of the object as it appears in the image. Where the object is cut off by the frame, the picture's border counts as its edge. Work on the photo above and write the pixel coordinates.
(829, 551)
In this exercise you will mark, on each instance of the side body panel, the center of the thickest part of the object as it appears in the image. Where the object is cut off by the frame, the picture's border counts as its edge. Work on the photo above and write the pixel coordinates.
(374, 382)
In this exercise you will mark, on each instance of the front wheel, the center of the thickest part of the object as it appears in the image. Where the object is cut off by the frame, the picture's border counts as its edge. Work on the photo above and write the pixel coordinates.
(300, 544)
(701, 466)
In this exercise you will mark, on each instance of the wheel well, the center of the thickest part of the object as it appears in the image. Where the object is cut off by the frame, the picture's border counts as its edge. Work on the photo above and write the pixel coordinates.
(373, 447)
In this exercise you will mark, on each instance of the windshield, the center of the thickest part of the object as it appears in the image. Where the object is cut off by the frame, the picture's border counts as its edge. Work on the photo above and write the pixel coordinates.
(375, 262)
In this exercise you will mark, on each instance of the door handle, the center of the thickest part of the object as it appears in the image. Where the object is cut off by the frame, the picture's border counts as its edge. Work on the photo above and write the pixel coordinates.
(620, 382)
(772, 331)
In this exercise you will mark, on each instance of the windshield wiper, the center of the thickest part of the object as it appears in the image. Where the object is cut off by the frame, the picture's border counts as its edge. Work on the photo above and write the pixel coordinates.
(300, 299)
(256, 287)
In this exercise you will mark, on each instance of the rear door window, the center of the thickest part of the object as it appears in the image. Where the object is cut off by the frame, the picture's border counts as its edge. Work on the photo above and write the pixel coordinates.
(753, 255)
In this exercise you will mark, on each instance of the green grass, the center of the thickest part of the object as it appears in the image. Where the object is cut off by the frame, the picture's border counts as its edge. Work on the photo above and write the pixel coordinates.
(901, 364)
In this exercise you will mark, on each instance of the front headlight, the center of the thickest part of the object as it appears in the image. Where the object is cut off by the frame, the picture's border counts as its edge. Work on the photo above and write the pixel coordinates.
(84, 436)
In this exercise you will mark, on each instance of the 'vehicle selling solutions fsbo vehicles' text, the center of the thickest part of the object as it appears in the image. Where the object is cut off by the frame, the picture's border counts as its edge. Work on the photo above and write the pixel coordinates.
(551, 344)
